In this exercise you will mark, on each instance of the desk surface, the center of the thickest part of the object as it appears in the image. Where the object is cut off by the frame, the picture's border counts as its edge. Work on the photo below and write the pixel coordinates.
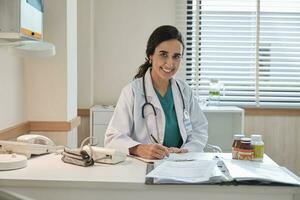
(222, 109)
(47, 174)
(50, 167)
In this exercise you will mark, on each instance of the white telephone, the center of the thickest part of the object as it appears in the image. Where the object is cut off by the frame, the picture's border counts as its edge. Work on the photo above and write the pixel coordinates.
(28, 144)
(35, 139)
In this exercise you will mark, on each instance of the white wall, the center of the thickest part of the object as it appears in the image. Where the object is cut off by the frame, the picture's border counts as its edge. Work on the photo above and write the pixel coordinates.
(52, 82)
(46, 77)
(12, 95)
(85, 53)
(71, 34)
(121, 31)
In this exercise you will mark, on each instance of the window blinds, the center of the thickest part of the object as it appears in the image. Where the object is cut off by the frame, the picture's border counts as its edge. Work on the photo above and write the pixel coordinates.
(252, 47)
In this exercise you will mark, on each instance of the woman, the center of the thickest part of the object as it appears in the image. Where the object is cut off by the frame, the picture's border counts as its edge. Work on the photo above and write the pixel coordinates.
(157, 114)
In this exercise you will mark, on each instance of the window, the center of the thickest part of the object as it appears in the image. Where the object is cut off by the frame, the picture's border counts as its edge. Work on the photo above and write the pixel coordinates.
(252, 47)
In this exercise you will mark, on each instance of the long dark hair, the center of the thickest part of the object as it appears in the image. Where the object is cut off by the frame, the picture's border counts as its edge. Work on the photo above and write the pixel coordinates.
(160, 34)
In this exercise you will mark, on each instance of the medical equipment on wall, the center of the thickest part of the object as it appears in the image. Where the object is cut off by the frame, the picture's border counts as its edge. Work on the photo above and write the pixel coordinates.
(147, 103)
(21, 19)
(21, 28)
(29, 145)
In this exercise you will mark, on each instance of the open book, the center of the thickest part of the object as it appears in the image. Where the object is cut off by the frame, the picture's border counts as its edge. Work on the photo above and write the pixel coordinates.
(220, 171)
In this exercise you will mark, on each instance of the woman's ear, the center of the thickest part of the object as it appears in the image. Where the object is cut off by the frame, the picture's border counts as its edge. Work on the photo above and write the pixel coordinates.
(150, 59)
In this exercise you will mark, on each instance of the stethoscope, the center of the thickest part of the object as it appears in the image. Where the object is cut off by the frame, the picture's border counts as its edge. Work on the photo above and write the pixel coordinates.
(147, 103)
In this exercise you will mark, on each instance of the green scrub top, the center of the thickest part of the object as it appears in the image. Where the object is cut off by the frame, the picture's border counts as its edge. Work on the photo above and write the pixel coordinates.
(172, 137)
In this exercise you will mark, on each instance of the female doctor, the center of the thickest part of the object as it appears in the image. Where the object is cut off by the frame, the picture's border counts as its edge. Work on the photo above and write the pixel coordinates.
(157, 114)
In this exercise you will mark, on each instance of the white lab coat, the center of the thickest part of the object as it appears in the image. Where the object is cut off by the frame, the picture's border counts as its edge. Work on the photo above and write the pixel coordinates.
(127, 128)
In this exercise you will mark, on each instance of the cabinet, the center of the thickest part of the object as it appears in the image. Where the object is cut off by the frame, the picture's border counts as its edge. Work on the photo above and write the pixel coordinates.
(99, 119)
(223, 123)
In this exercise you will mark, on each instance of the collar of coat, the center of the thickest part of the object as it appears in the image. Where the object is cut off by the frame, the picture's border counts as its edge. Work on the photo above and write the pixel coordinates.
(151, 95)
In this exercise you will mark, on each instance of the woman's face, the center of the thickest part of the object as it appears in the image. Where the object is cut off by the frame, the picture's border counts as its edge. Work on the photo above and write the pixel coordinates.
(166, 59)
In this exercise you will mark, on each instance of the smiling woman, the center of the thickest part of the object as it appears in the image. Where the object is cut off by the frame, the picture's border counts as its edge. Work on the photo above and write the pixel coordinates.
(157, 114)
(165, 63)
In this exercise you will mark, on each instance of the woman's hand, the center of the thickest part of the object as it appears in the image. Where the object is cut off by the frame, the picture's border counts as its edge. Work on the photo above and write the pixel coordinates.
(177, 150)
(149, 151)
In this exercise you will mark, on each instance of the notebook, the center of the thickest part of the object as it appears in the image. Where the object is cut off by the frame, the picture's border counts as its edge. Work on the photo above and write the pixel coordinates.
(219, 171)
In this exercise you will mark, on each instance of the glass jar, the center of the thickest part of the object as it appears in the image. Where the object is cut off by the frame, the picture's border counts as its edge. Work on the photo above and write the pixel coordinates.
(237, 138)
(245, 151)
(258, 147)
(214, 92)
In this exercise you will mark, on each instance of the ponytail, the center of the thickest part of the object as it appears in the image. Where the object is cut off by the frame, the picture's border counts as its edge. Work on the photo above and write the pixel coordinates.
(143, 69)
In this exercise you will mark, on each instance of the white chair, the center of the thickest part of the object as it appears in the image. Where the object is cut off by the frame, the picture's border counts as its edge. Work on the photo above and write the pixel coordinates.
(212, 148)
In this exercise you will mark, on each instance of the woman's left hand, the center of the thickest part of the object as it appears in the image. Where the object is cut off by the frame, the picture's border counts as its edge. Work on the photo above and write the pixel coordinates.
(177, 150)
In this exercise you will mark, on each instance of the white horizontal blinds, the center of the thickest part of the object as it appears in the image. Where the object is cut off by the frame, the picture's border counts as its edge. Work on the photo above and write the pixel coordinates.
(220, 43)
(279, 53)
(187, 20)
(258, 65)
(227, 49)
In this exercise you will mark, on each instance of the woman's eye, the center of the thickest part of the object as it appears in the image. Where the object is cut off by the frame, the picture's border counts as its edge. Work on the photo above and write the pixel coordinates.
(164, 55)
(177, 57)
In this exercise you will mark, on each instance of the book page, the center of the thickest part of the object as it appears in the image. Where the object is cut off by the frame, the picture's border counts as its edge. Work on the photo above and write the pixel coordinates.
(184, 171)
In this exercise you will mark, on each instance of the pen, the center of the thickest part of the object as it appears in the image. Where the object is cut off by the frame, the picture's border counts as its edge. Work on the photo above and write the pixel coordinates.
(155, 140)
(183, 160)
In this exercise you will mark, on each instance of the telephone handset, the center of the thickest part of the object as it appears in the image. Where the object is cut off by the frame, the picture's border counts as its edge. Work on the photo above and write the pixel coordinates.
(28, 145)
(35, 139)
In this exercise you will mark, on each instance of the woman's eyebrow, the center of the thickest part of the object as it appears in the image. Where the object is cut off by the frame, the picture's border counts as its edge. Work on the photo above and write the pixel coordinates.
(175, 54)
(163, 51)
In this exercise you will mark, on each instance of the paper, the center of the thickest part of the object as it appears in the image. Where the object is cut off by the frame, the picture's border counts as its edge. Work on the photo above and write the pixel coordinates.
(190, 156)
(249, 170)
(205, 168)
(171, 157)
(184, 171)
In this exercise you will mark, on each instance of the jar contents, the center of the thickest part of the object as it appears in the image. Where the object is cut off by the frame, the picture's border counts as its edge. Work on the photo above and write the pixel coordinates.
(214, 92)
(245, 151)
(236, 145)
(258, 147)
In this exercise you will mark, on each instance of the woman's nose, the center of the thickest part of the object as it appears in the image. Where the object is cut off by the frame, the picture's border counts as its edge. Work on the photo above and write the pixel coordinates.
(170, 62)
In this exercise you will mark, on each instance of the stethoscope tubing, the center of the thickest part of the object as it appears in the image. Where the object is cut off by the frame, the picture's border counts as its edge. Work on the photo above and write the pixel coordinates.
(147, 103)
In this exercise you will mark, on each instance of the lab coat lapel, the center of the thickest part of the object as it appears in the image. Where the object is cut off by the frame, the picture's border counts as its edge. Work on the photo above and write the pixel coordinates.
(153, 99)
(179, 108)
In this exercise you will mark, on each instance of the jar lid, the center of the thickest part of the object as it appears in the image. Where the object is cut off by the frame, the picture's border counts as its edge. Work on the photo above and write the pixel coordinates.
(256, 137)
(246, 139)
(214, 80)
(238, 136)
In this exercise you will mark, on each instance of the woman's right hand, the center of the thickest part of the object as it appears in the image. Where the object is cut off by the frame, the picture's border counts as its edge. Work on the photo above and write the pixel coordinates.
(149, 151)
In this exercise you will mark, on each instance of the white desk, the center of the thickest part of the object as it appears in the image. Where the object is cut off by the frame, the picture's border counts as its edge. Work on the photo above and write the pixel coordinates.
(48, 178)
